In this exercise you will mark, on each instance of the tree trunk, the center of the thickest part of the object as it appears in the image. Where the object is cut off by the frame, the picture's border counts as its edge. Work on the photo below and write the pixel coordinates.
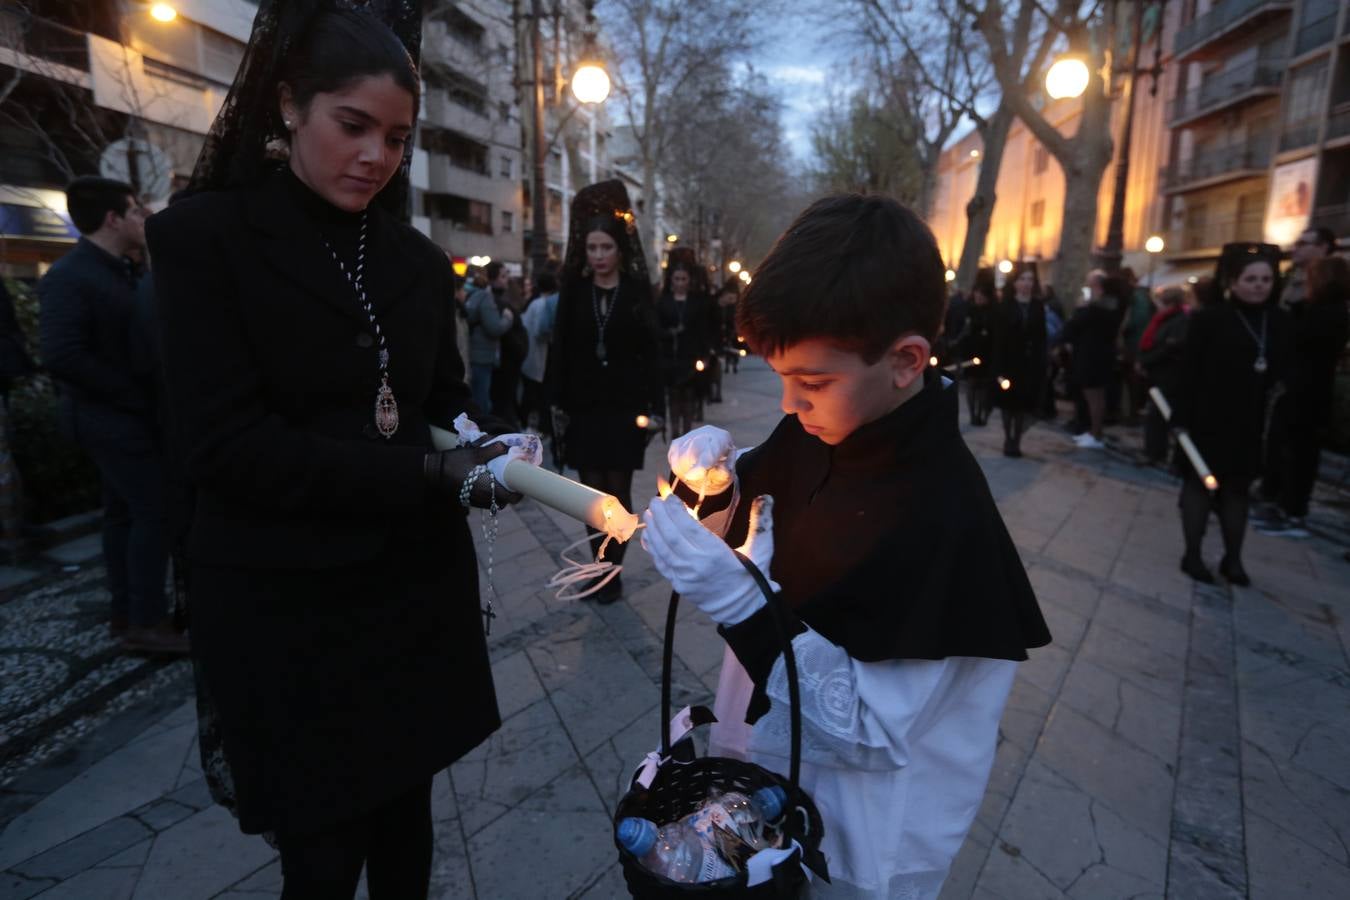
(647, 223)
(980, 209)
(1083, 173)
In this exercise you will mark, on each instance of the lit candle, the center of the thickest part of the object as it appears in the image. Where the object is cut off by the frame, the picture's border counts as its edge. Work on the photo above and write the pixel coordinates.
(1005, 384)
(1197, 461)
(975, 361)
(1161, 402)
(643, 421)
(698, 365)
(932, 360)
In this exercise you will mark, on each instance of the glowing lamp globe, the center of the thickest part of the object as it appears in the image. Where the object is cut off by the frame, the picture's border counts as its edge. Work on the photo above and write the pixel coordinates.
(950, 276)
(163, 12)
(1154, 244)
(1067, 78)
(590, 83)
(734, 266)
(1005, 266)
(745, 276)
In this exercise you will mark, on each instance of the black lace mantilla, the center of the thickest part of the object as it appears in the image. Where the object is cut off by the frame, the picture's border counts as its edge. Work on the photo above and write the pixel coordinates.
(607, 198)
(236, 148)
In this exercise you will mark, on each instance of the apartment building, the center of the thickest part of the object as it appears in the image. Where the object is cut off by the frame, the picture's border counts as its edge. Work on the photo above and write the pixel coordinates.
(1260, 125)
(104, 86)
(470, 162)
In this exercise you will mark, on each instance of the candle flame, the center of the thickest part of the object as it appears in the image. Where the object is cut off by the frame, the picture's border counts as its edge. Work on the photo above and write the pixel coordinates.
(933, 361)
(662, 487)
(1005, 383)
(698, 365)
(1211, 482)
(643, 421)
(975, 361)
(744, 353)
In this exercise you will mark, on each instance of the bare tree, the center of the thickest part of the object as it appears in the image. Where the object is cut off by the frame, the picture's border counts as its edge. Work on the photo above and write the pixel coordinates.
(1084, 156)
(662, 48)
(861, 142)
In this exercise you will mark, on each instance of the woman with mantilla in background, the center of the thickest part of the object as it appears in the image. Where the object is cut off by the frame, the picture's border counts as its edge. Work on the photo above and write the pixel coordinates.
(309, 345)
(688, 323)
(604, 366)
(1019, 361)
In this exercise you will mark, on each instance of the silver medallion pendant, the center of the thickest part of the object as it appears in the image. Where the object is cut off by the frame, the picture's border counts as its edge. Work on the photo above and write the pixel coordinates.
(386, 410)
(1260, 365)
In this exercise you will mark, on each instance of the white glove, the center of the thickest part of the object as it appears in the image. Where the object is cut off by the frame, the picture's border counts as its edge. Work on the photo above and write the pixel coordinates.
(703, 459)
(701, 567)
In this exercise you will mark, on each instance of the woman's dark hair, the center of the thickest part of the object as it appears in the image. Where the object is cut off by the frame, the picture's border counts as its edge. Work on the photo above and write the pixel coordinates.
(857, 271)
(1329, 280)
(341, 47)
(546, 283)
(1234, 259)
(1115, 286)
(89, 199)
(1010, 286)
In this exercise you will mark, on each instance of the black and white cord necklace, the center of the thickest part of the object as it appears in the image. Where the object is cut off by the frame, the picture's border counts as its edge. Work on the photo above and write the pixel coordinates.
(601, 320)
(1260, 365)
(386, 407)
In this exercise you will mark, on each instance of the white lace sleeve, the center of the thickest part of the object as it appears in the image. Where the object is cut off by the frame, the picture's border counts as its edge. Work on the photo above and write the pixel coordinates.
(854, 714)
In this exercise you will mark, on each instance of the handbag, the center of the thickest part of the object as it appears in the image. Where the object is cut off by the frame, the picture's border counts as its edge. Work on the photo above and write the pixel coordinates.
(674, 783)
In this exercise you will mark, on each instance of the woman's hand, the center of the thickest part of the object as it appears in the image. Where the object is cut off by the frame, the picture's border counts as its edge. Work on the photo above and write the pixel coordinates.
(446, 470)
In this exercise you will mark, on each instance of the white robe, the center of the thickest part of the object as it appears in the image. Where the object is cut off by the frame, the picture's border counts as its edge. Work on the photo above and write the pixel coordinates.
(895, 754)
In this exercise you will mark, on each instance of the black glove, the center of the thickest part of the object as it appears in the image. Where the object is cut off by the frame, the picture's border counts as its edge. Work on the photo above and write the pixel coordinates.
(445, 470)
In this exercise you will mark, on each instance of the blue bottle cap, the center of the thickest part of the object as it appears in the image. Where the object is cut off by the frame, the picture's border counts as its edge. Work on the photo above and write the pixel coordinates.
(638, 836)
(771, 801)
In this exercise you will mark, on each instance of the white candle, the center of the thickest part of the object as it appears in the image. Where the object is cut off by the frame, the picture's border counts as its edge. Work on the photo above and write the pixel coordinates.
(1161, 402)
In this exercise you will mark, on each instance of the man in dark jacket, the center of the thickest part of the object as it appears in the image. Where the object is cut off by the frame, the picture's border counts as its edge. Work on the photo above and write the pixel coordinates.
(88, 329)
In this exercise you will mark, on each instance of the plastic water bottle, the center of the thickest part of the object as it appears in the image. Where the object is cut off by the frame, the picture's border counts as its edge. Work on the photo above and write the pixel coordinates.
(675, 851)
(751, 814)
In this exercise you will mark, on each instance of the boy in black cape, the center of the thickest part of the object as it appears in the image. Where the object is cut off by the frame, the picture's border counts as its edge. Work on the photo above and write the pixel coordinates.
(906, 651)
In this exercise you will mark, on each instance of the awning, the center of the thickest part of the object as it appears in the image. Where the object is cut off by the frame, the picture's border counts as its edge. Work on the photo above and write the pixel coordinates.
(34, 222)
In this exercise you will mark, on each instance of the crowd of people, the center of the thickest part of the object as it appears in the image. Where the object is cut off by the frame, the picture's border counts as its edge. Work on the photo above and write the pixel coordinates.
(1246, 367)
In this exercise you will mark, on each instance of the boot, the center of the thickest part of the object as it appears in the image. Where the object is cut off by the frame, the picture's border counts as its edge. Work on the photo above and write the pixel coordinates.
(1195, 567)
(1232, 570)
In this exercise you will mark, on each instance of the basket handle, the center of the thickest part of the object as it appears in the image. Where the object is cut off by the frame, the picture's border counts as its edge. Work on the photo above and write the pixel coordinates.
(789, 659)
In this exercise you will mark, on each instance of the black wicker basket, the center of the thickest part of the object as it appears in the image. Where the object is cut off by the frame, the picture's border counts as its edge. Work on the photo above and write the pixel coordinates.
(681, 787)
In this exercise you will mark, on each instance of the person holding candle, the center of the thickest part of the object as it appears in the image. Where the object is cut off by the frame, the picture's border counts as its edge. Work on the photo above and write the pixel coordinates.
(686, 316)
(976, 343)
(860, 506)
(1019, 356)
(335, 617)
(604, 365)
(1233, 359)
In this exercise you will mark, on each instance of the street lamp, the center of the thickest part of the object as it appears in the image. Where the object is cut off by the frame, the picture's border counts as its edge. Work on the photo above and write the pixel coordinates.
(1067, 78)
(734, 266)
(950, 276)
(1154, 245)
(163, 12)
(745, 276)
(672, 239)
(590, 83)
(1006, 266)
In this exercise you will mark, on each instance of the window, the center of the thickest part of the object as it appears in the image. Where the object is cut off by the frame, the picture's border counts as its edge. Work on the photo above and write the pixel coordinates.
(1041, 161)
(470, 215)
(508, 221)
(462, 28)
(505, 166)
(504, 110)
(463, 152)
(459, 88)
(1037, 213)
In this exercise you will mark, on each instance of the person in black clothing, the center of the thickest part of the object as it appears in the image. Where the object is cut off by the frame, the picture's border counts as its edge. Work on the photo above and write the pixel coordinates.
(604, 366)
(1234, 357)
(88, 327)
(728, 339)
(335, 619)
(1159, 361)
(1018, 357)
(975, 344)
(1318, 334)
(15, 363)
(688, 323)
(1091, 332)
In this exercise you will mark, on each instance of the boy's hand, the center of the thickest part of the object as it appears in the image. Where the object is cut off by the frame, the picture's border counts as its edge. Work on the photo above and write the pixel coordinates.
(701, 567)
(703, 459)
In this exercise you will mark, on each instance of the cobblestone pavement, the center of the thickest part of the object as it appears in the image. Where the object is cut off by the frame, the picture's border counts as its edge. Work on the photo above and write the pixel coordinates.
(1175, 740)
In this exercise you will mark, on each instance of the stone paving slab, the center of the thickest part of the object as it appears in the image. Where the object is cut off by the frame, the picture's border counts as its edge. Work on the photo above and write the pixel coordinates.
(1172, 741)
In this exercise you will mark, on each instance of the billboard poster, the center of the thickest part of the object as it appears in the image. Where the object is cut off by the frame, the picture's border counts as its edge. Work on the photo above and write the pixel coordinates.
(1290, 205)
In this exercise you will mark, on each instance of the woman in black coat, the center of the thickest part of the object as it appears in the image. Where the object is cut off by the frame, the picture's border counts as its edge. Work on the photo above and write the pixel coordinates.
(309, 346)
(687, 319)
(975, 344)
(604, 366)
(1019, 361)
(1160, 362)
(1091, 331)
(1234, 358)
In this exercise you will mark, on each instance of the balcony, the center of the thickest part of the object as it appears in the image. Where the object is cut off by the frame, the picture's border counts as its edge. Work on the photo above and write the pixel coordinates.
(1260, 78)
(1211, 167)
(1201, 238)
(1338, 125)
(1302, 133)
(1224, 19)
(1317, 32)
(43, 40)
(1336, 217)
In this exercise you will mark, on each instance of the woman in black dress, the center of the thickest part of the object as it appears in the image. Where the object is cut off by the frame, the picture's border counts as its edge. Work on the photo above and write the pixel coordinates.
(309, 345)
(604, 366)
(1233, 360)
(1019, 362)
(976, 342)
(1092, 332)
(686, 316)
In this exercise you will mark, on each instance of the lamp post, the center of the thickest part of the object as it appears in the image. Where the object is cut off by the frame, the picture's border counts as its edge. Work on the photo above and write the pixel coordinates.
(590, 84)
(1069, 77)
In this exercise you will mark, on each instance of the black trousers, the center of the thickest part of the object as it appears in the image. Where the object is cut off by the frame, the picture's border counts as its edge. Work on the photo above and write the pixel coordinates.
(393, 843)
(135, 530)
(618, 482)
(1299, 454)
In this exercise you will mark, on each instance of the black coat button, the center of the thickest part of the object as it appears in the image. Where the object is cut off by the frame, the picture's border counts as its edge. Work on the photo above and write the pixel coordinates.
(365, 341)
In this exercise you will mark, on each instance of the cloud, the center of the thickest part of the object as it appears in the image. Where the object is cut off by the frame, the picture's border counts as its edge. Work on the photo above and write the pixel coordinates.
(796, 74)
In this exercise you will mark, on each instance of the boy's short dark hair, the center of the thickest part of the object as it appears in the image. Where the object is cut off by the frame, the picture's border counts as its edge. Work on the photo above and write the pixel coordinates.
(89, 199)
(857, 271)
(494, 269)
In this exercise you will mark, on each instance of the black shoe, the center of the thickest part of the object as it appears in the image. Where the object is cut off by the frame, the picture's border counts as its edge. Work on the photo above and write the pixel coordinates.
(1011, 450)
(610, 593)
(1194, 567)
(1233, 571)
